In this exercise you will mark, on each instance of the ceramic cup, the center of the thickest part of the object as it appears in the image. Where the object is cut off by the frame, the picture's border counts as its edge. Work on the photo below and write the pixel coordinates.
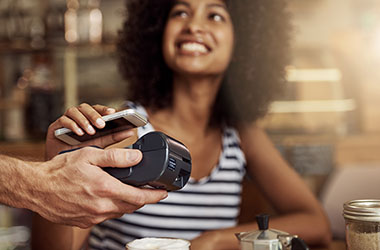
(158, 244)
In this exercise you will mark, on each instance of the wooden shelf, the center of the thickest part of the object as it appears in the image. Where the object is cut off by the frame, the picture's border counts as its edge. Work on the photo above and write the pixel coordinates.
(82, 49)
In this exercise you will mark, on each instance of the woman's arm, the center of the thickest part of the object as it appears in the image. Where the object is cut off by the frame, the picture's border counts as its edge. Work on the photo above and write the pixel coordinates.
(299, 211)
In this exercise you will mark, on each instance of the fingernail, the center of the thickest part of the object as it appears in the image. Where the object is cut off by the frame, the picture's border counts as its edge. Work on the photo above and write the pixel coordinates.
(100, 122)
(164, 195)
(110, 110)
(133, 155)
(79, 131)
(90, 129)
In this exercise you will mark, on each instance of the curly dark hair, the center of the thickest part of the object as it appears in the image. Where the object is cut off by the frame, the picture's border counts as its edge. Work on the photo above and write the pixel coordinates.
(253, 78)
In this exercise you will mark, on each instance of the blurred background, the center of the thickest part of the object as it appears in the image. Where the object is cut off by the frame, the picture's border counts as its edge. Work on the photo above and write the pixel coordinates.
(55, 54)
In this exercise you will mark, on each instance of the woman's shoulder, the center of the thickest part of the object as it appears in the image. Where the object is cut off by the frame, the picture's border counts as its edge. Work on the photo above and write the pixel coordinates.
(251, 133)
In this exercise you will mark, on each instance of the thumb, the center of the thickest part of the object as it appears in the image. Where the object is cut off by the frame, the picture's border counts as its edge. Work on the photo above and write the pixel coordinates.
(116, 157)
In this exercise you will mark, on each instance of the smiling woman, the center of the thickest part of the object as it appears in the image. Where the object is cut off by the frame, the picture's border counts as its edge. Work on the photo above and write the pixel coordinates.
(261, 42)
(204, 71)
(188, 47)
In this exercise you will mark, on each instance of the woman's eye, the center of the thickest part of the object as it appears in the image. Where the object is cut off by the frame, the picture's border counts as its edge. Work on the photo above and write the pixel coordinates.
(179, 13)
(217, 18)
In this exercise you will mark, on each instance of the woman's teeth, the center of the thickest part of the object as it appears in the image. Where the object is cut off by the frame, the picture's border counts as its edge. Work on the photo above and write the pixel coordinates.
(194, 47)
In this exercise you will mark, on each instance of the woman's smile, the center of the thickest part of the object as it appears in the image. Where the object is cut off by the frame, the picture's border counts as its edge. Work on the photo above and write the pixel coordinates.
(192, 48)
(198, 37)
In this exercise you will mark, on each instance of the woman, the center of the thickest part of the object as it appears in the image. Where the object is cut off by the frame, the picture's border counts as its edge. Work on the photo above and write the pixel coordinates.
(204, 71)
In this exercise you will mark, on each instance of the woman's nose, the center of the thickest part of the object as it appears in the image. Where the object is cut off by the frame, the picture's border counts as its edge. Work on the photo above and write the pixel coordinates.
(195, 25)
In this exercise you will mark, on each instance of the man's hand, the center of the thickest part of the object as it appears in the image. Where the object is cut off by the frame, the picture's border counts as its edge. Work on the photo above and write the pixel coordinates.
(71, 189)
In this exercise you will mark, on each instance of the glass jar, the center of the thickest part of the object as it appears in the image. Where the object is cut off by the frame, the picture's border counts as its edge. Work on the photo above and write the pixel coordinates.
(362, 219)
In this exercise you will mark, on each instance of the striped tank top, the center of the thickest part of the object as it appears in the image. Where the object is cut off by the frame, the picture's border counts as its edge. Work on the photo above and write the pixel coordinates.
(207, 204)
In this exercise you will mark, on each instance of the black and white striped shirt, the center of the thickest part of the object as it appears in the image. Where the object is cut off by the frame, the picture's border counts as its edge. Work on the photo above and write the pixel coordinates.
(208, 204)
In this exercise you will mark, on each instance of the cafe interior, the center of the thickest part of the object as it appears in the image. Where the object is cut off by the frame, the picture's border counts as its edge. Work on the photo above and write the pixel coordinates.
(56, 54)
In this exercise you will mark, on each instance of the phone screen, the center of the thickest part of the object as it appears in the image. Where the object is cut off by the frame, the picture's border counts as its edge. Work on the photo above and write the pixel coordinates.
(111, 127)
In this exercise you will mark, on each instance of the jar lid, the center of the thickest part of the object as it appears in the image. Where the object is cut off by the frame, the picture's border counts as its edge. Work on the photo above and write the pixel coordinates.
(363, 210)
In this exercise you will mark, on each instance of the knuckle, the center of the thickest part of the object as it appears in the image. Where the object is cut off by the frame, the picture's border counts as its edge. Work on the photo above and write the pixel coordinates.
(98, 107)
(61, 120)
(70, 110)
(53, 125)
(87, 152)
(94, 116)
(83, 105)
(139, 200)
(98, 209)
(84, 123)
(111, 155)
(104, 188)
(103, 208)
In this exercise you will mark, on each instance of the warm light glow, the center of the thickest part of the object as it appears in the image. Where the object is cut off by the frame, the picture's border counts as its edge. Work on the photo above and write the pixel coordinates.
(95, 26)
(71, 34)
(313, 106)
(376, 42)
(313, 75)
(72, 4)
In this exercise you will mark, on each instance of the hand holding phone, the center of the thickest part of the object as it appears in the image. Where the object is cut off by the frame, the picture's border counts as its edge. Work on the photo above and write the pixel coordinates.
(116, 122)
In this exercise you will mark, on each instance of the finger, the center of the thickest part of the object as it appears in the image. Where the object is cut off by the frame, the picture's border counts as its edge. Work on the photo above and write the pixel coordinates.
(93, 116)
(103, 110)
(66, 122)
(139, 196)
(82, 223)
(122, 208)
(110, 187)
(115, 157)
(126, 208)
(133, 197)
(55, 125)
(81, 119)
(103, 218)
(118, 215)
(108, 140)
(111, 139)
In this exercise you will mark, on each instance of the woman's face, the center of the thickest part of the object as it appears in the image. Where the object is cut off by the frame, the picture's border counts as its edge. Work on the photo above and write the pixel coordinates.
(198, 37)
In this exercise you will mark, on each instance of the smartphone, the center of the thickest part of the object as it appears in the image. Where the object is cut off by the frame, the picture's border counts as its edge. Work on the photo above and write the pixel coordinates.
(116, 122)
